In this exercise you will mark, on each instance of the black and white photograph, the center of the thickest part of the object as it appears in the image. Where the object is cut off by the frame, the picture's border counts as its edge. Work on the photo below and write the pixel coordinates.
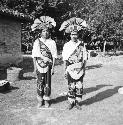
(61, 62)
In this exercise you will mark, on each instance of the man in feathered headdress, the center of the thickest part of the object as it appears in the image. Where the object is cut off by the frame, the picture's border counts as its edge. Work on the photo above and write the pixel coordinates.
(74, 56)
(44, 53)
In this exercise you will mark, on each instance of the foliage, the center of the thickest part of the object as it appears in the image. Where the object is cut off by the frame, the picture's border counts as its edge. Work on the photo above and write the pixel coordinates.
(103, 16)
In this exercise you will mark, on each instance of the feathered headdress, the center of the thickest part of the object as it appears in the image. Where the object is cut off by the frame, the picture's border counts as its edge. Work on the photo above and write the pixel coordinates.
(43, 22)
(73, 25)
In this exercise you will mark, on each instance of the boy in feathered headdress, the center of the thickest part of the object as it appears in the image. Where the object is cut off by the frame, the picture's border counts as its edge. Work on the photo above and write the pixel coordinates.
(44, 53)
(74, 56)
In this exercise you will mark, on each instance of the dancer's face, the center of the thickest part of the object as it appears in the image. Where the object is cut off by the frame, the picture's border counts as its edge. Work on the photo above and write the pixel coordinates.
(74, 37)
(45, 33)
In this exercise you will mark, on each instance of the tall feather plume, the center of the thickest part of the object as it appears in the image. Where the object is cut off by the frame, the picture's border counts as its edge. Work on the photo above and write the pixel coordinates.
(43, 22)
(78, 22)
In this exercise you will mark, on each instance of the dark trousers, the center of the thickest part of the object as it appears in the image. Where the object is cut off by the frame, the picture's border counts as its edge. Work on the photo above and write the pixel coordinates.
(75, 89)
(44, 84)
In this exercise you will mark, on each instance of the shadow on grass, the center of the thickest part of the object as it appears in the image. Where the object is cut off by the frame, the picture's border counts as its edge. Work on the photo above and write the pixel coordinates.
(27, 78)
(101, 96)
(93, 66)
(8, 90)
(59, 99)
(86, 90)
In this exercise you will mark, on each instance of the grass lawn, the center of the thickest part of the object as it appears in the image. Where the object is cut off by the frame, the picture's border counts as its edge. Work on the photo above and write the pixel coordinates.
(101, 104)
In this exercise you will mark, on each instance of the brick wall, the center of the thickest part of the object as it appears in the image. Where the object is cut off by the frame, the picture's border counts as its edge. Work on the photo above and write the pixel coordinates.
(10, 41)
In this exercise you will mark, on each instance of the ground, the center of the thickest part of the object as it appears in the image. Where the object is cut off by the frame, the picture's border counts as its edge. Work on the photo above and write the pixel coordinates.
(101, 103)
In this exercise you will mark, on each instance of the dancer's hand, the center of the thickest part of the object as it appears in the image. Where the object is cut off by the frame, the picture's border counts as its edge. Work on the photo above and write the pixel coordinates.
(52, 71)
(45, 59)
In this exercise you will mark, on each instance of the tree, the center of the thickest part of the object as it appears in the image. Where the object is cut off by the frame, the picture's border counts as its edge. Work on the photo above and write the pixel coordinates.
(103, 16)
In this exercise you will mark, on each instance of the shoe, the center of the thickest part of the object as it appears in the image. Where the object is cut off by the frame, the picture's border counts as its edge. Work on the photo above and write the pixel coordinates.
(47, 104)
(70, 106)
(78, 106)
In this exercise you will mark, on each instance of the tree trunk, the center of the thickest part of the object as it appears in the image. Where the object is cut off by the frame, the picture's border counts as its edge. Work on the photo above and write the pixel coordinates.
(104, 47)
(115, 48)
(27, 47)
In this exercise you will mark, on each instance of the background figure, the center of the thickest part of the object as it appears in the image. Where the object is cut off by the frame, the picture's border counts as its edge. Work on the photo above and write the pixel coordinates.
(74, 55)
(44, 53)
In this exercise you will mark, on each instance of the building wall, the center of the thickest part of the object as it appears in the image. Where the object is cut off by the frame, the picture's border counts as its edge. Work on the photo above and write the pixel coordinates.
(10, 41)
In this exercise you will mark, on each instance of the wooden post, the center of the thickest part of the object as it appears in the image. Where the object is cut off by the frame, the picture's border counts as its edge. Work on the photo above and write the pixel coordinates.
(104, 47)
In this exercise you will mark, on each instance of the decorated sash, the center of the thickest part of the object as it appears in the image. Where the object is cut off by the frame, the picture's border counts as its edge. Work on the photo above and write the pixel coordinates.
(46, 60)
(75, 69)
